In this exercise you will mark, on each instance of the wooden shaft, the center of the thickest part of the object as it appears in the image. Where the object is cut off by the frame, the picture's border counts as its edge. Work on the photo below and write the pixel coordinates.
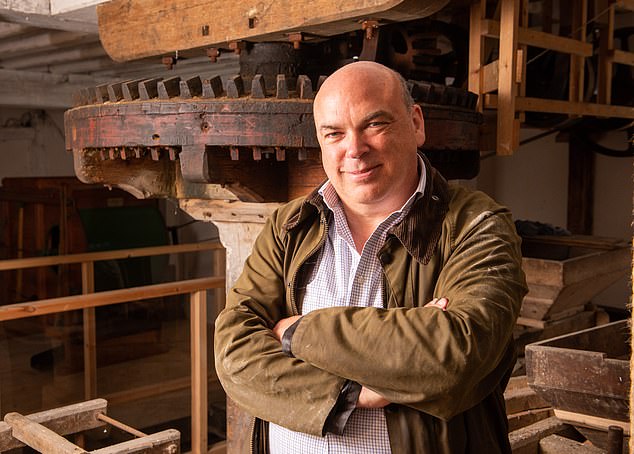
(166, 442)
(120, 425)
(69, 303)
(39, 437)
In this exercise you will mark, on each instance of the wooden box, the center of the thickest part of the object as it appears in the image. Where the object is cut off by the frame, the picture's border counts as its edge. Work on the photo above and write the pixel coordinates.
(564, 272)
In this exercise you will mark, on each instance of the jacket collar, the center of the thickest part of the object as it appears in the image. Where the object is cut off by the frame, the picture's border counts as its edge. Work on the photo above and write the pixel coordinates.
(418, 232)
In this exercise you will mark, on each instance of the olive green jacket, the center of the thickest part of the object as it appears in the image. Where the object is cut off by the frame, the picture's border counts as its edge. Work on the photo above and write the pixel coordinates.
(444, 371)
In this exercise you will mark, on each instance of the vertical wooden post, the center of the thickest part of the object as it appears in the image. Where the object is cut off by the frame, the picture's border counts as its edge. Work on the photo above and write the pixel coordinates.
(90, 333)
(507, 122)
(521, 61)
(198, 338)
(476, 49)
(606, 45)
(577, 73)
(580, 187)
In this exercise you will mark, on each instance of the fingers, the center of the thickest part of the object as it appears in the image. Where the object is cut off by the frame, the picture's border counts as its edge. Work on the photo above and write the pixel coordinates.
(440, 303)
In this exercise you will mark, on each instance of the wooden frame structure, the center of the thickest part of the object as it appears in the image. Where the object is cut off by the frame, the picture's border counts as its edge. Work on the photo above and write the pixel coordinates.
(196, 288)
(507, 75)
(44, 431)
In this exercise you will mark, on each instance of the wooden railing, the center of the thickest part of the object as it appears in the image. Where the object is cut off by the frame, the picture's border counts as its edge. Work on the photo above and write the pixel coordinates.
(88, 300)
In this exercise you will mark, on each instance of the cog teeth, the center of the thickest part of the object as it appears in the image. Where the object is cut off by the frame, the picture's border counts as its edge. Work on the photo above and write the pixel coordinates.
(101, 93)
(321, 81)
(148, 88)
(305, 87)
(168, 88)
(114, 92)
(281, 87)
(212, 88)
(258, 89)
(235, 87)
(191, 87)
(130, 89)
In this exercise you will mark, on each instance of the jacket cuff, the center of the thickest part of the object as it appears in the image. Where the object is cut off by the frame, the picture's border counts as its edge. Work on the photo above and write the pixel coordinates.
(345, 405)
(287, 338)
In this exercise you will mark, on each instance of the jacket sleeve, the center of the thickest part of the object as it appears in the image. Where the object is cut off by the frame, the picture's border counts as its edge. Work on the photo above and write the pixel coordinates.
(249, 360)
(439, 362)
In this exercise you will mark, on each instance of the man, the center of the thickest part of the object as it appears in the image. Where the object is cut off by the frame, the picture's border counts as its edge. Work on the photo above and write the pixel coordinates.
(376, 314)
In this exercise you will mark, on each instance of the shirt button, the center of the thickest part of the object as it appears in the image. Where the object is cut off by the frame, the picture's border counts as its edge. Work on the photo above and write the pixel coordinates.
(435, 198)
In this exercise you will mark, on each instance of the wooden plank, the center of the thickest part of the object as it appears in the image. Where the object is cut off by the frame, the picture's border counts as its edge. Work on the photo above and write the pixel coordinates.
(8, 30)
(592, 422)
(64, 420)
(507, 122)
(564, 107)
(490, 77)
(581, 172)
(522, 399)
(198, 336)
(44, 20)
(477, 77)
(606, 46)
(55, 57)
(69, 303)
(491, 29)
(40, 90)
(525, 418)
(623, 57)
(526, 439)
(42, 42)
(167, 441)
(15, 264)
(130, 30)
(577, 69)
(556, 444)
(90, 333)
(39, 437)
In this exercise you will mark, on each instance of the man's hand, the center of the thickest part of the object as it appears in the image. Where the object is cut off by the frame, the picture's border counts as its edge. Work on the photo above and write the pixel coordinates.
(439, 303)
(370, 399)
(281, 326)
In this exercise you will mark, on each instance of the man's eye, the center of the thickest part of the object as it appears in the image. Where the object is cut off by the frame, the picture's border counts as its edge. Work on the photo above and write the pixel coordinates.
(377, 124)
(332, 135)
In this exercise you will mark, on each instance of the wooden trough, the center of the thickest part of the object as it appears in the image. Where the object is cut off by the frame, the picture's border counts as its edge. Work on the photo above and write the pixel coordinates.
(564, 272)
(585, 377)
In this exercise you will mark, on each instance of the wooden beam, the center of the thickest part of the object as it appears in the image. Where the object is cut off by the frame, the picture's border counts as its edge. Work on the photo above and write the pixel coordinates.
(33, 262)
(622, 57)
(8, 30)
(42, 41)
(507, 123)
(580, 187)
(32, 61)
(69, 303)
(130, 30)
(64, 420)
(44, 20)
(167, 441)
(592, 422)
(39, 437)
(564, 107)
(198, 337)
(40, 90)
(556, 444)
(491, 29)
(477, 78)
(90, 332)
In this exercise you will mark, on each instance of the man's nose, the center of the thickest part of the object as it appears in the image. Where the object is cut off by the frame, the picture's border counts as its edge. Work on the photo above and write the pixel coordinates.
(356, 145)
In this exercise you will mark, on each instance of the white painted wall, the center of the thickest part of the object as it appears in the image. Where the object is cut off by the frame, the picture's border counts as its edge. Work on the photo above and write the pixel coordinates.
(38, 154)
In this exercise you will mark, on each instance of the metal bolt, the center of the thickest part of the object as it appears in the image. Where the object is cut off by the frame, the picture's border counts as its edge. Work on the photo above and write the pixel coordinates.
(369, 26)
(213, 53)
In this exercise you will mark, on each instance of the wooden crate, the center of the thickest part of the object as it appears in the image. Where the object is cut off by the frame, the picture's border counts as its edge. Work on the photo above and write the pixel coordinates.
(564, 272)
(586, 372)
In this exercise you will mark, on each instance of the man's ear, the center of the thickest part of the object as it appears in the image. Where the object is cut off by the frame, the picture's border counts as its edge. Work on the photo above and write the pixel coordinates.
(419, 124)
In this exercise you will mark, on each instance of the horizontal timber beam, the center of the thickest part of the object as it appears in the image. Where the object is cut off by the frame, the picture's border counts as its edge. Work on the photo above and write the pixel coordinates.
(41, 90)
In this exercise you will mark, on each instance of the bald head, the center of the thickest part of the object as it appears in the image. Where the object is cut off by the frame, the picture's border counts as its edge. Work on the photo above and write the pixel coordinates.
(363, 72)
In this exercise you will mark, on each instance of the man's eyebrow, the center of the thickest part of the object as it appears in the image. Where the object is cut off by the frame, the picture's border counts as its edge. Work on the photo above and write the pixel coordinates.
(378, 114)
(328, 127)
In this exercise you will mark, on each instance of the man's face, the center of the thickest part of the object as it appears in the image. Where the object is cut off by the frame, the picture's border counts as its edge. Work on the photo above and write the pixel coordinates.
(368, 137)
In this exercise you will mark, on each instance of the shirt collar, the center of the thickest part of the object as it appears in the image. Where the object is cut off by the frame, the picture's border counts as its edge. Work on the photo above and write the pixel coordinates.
(332, 201)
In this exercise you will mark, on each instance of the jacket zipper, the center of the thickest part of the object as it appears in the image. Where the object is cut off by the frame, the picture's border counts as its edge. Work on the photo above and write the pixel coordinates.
(291, 283)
